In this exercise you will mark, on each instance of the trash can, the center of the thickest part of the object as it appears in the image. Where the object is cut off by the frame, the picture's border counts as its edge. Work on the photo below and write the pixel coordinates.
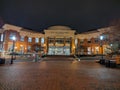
(107, 63)
(112, 63)
(2, 60)
(102, 61)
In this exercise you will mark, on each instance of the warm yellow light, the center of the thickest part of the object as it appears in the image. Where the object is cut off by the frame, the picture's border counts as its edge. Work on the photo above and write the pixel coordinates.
(44, 45)
(74, 47)
(21, 45)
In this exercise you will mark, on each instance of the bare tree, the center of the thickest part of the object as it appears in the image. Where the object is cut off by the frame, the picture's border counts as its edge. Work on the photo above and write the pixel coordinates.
(1, 22)
(114, 37)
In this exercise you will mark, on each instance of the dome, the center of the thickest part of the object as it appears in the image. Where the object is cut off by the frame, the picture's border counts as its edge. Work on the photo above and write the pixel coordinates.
(59, 28)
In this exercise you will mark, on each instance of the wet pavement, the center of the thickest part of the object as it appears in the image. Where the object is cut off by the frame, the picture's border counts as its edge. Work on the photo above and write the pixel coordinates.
(59, 74)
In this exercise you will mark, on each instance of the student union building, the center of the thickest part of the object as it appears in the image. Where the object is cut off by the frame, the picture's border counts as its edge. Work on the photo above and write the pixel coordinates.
(55, 40)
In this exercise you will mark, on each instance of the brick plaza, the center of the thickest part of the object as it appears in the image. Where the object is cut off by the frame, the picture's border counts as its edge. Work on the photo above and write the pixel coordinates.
(58, 74)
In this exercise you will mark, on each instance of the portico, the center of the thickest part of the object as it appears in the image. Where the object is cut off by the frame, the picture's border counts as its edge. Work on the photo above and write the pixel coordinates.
(59, 40)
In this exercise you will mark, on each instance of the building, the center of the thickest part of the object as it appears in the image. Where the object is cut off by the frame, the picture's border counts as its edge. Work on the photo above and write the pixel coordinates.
(56, 40)
(26, 40)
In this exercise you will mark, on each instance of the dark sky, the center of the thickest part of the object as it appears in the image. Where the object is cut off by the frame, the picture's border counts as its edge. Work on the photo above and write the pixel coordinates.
(82, 15)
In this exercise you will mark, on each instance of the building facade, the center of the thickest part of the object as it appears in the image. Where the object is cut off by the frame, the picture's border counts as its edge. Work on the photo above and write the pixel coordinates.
(56, 40)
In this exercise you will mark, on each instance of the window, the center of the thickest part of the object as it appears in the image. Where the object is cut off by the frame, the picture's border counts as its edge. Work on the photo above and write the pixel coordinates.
(96, 40)
(1, 47)
(37, 40)
(96, 50)
(106, 37)
(51, 40)
(89, 41)
(76, 42)
(42, 40)
(89, 50)
(1, 37)
(67, 40)
(29, 39)
(29, 48)
(22, 38)
(12, 34)
(81, 41)
(59, 40)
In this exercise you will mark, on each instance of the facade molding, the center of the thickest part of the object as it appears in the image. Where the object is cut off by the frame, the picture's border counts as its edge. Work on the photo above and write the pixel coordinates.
(56, 40)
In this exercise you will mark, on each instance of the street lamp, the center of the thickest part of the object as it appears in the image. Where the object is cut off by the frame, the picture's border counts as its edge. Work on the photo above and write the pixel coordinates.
(102, 61)
(36, 54)
(13, 39)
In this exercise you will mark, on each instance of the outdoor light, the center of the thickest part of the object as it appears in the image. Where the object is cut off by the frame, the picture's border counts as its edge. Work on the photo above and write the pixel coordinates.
(74, 47)
(111, 45)
(21, 45)
(13, 39)
(102, 61)
(44, 45)
(101, 37)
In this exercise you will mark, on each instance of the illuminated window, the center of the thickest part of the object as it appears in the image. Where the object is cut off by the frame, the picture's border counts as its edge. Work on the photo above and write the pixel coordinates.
(36, 40)
(1, 37)
(22, 38)
(29, 48)
(96, 50)
(42, 40)
(89, 50)
(0, 47)
(29, 39)
(12, 34)
(76, 42)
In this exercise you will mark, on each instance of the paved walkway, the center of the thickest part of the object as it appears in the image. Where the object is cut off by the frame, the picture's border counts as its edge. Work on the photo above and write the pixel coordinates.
(59, 75)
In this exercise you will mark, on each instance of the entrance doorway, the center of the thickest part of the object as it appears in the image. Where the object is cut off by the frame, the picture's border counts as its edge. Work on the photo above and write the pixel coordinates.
(58, 50)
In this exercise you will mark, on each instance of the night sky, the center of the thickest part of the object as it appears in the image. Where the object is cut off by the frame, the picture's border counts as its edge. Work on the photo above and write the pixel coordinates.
(81, 15)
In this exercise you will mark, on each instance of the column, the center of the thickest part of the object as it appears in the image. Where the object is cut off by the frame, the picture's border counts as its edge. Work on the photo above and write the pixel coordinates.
(101, 50)
(78, 45)
(47, 44)
(64, 41)
(54, 41)
(72, 46)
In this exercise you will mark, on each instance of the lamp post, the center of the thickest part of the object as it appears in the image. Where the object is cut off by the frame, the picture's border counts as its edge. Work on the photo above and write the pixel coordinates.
(102, 61)
(111, 45)
(13, 39)
(101, 45)
(36, 54)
